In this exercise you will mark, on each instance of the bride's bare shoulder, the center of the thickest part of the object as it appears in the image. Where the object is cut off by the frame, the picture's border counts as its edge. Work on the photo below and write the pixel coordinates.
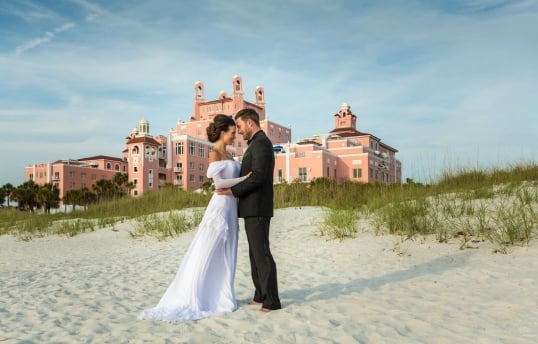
(214, 156)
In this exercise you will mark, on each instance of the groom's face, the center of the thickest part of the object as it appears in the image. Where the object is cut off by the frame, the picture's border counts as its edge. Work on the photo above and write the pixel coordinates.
(244, 128)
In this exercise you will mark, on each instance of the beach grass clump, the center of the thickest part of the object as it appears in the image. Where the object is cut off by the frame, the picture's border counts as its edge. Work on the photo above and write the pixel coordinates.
(166, 225)
(409, 217)
(514, 221)
(339, 223)
(72, 227)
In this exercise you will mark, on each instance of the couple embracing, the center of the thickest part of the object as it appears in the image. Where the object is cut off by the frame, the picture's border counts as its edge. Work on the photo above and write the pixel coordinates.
(204, 283)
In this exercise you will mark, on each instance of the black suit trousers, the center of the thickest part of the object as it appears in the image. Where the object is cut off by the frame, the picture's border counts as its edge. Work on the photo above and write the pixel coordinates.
(262, 264)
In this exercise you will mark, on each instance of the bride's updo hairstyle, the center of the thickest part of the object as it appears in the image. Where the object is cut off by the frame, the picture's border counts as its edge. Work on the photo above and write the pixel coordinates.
(221, 123)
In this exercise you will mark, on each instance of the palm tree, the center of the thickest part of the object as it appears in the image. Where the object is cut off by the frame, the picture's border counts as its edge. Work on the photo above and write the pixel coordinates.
(73, 197)
(121, 181)
(104, 189)
(87, 197)
(48, 196)
(26, 195)
(3, 195)
(8, 189)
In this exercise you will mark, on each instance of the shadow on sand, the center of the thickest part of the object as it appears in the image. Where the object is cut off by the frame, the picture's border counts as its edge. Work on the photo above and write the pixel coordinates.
(329, 291)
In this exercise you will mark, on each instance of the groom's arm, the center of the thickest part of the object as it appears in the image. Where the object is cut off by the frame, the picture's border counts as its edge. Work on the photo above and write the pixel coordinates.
(260, 167)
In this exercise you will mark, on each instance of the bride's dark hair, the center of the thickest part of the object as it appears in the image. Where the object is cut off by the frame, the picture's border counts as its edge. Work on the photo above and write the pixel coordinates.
(221, 123)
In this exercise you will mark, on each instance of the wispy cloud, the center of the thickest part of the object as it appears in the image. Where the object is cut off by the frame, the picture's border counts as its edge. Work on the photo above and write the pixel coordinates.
(47, 37)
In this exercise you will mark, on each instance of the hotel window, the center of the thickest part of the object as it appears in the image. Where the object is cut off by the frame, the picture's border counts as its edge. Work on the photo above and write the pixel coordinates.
(108, 166)
(179, 148)
(280, 176)
(135, 169)
(328, 172)
(83, 176)
(201, 150)
(201, 180)
(191, 178)
(357, 173)
(302, 174)
(201, 167)
(72, 174)
(192, 148)
(135, 181)
(94, 177)
(191, 165)
(116, 167)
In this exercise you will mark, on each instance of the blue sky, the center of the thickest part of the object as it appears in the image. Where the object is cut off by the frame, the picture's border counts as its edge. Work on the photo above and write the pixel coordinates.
(450, 84)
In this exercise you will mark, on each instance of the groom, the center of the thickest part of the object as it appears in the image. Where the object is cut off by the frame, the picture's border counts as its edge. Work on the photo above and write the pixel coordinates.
(256, 207)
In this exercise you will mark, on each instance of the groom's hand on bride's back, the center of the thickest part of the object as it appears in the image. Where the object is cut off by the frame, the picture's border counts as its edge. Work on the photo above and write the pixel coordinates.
(226, 191)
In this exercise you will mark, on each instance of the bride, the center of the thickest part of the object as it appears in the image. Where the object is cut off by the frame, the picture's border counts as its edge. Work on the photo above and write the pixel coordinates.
(204, 283)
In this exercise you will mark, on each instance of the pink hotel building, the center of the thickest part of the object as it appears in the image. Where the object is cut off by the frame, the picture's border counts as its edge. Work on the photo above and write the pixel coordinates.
(181, 157)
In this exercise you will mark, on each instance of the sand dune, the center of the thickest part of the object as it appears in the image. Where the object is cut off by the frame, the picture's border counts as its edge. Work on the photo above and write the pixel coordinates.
(370, 289)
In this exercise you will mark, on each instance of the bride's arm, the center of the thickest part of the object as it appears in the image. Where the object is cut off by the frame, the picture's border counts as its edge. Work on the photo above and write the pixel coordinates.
(221, 183)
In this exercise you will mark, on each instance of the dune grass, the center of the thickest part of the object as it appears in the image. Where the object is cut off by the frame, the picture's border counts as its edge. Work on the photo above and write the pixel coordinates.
(26, 226)
(167, 225)
(499, 205)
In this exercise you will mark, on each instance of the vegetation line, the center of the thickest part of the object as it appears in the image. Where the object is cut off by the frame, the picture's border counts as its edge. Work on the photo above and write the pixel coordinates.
(499, 205)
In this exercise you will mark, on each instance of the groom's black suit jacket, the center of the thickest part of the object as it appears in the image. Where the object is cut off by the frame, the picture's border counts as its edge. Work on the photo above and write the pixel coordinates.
(255, 193)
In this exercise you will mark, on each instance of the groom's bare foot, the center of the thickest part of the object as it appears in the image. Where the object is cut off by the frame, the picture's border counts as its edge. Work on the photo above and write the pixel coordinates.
(265, 310)
(254, 303)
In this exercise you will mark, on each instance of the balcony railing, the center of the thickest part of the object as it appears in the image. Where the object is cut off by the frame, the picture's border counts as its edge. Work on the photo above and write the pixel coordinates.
(178, 169)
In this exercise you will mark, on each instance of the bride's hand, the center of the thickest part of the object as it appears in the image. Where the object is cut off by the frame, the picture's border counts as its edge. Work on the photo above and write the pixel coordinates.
(249, 174)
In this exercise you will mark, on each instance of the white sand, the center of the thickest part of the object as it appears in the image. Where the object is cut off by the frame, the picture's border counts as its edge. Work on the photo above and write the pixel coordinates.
(371, 289)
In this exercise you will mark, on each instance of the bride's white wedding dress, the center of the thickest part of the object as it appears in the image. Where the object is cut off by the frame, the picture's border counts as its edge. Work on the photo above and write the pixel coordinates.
(204, 283)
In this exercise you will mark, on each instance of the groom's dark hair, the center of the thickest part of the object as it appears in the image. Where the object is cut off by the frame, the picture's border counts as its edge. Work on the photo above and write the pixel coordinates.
(248, 114)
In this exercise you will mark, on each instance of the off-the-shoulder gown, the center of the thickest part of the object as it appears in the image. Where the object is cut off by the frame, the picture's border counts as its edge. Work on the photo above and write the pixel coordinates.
(204, 282)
